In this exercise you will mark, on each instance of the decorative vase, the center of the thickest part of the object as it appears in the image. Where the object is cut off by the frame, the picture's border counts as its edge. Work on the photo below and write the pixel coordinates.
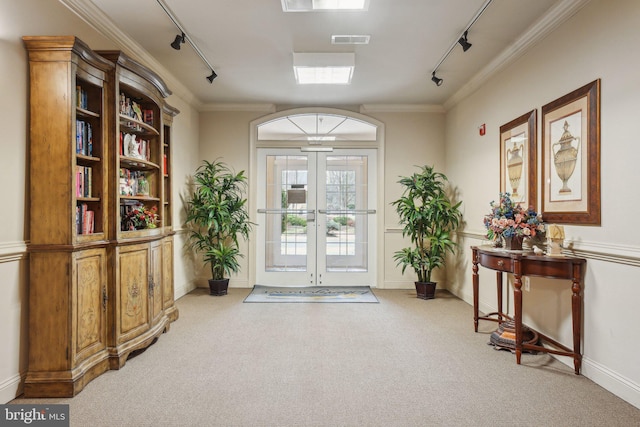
(565, 157)
(514, 167)
(513, 243)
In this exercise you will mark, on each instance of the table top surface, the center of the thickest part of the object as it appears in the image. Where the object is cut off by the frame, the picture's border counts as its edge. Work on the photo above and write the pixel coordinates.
(528, 254)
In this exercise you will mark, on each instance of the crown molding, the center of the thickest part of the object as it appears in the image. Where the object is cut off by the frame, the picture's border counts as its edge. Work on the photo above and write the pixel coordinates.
(555, 17)
(98, 20)
(401, 108)
(256, 107)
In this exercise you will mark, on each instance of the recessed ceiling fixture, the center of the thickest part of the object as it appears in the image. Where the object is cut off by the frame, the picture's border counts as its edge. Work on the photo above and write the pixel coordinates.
(350, 39)
(323, 68)
(320, 5)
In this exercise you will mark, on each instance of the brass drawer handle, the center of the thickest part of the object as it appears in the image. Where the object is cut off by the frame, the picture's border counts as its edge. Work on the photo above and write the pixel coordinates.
(500, 263)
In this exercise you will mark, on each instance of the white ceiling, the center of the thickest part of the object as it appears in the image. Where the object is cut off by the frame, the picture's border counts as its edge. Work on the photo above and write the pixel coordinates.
(250, 44)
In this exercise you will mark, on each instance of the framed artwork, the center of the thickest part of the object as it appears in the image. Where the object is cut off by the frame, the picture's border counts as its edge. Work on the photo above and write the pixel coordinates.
(571, 157)
(518, 170)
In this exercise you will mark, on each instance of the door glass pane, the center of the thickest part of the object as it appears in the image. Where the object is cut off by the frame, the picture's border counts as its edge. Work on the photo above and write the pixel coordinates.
(286, 224)
(346, 203)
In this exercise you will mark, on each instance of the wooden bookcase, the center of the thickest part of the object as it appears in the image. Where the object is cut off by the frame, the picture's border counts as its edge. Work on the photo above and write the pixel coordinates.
(69, 133)
(141, 267)
(98, 289)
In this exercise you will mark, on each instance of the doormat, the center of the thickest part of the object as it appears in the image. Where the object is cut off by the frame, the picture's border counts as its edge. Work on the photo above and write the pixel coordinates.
(261, 293)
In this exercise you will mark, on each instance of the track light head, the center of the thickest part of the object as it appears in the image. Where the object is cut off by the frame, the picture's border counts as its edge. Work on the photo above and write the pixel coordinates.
(436, 80)
(178, 41)
(212, 76)
(464, 42)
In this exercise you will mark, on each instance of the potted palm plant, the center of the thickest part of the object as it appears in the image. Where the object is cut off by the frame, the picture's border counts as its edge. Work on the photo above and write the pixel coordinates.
(428, 217)
(216, 217)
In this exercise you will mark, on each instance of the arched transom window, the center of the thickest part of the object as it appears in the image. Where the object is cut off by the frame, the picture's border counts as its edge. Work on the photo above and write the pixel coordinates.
(317, 127)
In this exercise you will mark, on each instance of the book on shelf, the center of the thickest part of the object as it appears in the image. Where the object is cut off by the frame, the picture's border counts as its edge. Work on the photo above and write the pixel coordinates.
(84, 138)
(81, 97)
(85, 219)
(147, 117)
(84, 178)
(88, 222)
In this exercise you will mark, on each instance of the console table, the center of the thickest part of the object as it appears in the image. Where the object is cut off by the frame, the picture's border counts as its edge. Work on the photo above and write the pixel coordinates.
(525, 263)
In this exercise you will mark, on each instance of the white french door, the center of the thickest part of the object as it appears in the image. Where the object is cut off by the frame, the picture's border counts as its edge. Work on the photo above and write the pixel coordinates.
(316, 217)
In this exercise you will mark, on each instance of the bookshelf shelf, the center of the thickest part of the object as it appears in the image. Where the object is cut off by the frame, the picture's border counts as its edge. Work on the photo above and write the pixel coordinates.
(129, 124)
(139, 164)
(140, 198)
(85, 113)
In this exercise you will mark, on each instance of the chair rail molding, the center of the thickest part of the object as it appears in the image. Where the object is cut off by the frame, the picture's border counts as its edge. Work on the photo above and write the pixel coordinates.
(13, 251)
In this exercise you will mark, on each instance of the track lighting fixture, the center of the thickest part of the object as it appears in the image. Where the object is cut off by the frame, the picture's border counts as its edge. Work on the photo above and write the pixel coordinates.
(184, 37)
(178, 41)
(464, 42)
(436, 80)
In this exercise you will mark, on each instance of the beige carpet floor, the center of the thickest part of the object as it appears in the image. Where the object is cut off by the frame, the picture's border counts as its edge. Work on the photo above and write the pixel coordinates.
(402, 362)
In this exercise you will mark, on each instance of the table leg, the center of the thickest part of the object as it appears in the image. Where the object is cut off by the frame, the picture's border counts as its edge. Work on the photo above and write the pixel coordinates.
(476, 280)
(517, 299)
(576, 315)
(499, 284)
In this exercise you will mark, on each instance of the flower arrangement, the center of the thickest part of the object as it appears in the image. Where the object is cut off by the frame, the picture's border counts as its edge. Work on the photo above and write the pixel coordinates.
(511, 220)
(140, 218)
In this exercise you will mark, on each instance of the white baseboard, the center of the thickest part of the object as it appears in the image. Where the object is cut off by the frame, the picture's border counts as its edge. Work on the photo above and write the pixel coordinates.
(606, 378)
(10, 388)
(388, 284)
(612, 381)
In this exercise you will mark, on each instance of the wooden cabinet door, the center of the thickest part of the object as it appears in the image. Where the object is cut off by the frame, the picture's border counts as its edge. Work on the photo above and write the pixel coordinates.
(90, 294)
(167, 273)
(155, 287)
(133, 290)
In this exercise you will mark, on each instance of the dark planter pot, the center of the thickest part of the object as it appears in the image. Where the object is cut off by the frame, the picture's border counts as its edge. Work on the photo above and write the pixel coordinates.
(218, 287)
(426, 290)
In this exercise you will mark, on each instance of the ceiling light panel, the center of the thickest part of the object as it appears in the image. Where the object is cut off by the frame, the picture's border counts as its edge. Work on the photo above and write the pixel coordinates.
(321, 5)
(323, 75)
(350, 39)
(323, 68)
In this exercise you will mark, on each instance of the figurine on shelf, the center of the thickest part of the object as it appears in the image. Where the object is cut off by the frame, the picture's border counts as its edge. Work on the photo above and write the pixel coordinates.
(555, 237)
(134, 147)
(137, 112)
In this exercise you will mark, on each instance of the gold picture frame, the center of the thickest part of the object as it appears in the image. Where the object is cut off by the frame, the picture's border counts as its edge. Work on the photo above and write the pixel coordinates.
(518, 165)
(571, 157)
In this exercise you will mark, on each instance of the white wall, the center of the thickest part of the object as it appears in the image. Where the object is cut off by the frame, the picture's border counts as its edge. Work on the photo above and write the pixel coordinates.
(412, 140)
(224, 135)
(592, 44)
(186, 158)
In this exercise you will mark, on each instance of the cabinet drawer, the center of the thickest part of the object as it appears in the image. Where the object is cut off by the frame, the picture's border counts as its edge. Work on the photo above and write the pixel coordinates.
(495, 262)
